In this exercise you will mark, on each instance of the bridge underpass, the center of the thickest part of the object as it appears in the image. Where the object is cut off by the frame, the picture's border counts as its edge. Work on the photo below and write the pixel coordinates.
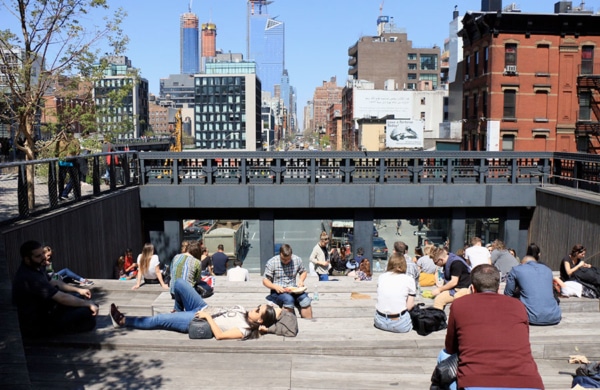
(364, 187)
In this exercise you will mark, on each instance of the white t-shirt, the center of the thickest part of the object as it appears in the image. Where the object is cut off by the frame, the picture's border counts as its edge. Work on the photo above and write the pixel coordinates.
(237, 274)
(151, 273)
(393, 291)
(477, 255)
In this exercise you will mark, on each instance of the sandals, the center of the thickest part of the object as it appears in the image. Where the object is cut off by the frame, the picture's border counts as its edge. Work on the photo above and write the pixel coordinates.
(117, 318)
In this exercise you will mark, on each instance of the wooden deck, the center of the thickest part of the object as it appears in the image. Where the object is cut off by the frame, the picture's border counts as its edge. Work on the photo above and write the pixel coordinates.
(338, 349)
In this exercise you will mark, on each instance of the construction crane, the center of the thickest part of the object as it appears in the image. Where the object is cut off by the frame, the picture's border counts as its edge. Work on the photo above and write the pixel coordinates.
(177, 137)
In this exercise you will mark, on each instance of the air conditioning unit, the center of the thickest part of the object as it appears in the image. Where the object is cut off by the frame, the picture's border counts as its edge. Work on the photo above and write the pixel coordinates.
(510, 69)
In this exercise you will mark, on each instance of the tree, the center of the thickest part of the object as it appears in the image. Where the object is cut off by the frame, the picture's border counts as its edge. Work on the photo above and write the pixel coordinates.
(52, 42)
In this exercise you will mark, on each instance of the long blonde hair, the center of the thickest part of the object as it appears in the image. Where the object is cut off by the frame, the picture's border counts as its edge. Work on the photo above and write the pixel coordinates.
(147, 253)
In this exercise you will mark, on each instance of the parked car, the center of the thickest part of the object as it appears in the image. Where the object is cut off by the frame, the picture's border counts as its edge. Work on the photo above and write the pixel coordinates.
(380, 250)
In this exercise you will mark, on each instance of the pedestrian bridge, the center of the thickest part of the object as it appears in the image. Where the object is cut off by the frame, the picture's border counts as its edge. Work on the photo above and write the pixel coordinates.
(363, 186)
(535, 196)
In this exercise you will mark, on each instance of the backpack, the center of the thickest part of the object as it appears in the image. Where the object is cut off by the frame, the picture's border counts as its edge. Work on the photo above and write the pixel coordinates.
(204, 289)
(427, 319)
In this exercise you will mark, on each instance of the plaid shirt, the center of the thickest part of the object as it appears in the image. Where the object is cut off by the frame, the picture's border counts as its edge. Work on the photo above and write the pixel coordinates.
(284, 275)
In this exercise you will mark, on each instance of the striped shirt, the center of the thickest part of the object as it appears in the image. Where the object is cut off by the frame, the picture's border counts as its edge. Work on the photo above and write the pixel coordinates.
(187, 267)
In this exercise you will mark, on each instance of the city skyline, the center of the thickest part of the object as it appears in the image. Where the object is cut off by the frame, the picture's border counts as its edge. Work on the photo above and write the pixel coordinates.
(317, 37)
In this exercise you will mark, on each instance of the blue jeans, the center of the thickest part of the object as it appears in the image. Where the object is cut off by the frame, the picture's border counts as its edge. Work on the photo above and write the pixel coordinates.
(396, 325)
(67, 273)
(186, 297)
(289, 301)
(323, 277)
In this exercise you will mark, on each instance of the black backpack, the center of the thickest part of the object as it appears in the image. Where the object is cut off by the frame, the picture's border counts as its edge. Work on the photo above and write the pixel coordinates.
(427, 319)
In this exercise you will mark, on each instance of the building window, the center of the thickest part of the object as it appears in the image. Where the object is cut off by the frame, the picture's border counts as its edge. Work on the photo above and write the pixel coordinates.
(476, 64)
(412, 56)
(467, 67)
(475, 105)
(430, 77)
(543, 59)
(411, 86)
(510, 99)
(429, 62)
(422, 101)
(484, 103)
(412, 66)
(584, 106)
(412, 76)
(422, 115)
(508, 143)
(510, 54)
(467, 111)
(541, 106)
(587, 60)
(486, 59)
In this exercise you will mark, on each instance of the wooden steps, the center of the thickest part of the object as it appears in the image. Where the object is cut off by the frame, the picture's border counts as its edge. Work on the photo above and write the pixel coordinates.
(339, 348)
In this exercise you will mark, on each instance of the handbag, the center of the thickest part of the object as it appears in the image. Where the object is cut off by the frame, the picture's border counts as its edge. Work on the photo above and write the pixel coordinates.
(445, 372)
(204, 289)
(200, 329)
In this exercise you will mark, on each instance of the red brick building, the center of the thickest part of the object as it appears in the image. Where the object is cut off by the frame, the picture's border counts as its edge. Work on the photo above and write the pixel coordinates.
(531, 80)
(327, 94)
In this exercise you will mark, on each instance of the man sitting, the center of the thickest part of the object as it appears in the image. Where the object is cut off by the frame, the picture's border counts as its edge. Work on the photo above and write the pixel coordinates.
(281, 272)
(490, 334)
(531, 282)
(47, 307)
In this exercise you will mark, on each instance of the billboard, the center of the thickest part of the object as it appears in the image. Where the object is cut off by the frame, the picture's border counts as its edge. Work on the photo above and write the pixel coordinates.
(403, 133)
(379, 103)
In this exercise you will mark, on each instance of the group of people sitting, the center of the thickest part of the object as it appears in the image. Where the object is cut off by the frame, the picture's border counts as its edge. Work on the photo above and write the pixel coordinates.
(339, 262)
(64, 308)
(283, 273)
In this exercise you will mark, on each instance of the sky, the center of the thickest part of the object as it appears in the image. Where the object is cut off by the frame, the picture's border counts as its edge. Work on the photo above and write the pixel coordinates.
(318, 33)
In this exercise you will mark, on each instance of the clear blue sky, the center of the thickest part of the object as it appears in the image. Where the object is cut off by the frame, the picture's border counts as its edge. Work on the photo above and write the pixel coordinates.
(318, 32)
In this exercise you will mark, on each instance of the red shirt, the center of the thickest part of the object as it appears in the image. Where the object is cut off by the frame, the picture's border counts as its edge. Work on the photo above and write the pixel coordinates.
(490, 333)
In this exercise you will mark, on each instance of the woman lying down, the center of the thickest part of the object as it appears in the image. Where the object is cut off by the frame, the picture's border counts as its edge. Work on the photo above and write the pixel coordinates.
(225, 323)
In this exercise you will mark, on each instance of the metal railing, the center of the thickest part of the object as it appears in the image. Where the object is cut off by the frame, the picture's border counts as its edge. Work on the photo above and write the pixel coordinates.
(575, 170)
(30, 188)
(344, 168)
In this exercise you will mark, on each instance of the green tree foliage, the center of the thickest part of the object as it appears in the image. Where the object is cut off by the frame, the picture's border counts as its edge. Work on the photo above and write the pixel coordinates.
(55, 39)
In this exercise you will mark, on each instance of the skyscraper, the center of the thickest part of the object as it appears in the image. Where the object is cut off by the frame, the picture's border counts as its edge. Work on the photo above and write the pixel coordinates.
(266, 44)
(190, 43)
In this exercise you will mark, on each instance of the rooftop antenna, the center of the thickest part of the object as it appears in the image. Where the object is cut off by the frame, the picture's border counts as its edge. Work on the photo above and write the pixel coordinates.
(381, 8)
(190, 6)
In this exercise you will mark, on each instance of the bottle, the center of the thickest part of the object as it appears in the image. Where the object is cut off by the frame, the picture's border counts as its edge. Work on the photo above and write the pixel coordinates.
(378, 266)
(316, 293)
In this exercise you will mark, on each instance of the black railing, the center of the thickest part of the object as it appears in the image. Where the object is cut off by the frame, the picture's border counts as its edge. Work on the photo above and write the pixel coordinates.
(30, 188)
(208, 168)
(576, 170)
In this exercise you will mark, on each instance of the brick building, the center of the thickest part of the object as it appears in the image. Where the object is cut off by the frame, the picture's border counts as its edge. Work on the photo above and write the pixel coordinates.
(327, 94)
(530, 81)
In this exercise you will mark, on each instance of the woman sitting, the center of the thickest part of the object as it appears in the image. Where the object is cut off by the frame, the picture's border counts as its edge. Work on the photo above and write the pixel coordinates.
(573, 268)
(364, 271)
(225, 323)
(338, 263)
(149, 268)
(427, 268)
(395, 297)
(65, 274)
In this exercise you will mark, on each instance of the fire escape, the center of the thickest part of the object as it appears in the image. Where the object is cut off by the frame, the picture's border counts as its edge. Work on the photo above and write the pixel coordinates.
(588, 120)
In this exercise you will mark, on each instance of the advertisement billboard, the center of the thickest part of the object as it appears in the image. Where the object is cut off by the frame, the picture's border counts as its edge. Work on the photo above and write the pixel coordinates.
(403, 134)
